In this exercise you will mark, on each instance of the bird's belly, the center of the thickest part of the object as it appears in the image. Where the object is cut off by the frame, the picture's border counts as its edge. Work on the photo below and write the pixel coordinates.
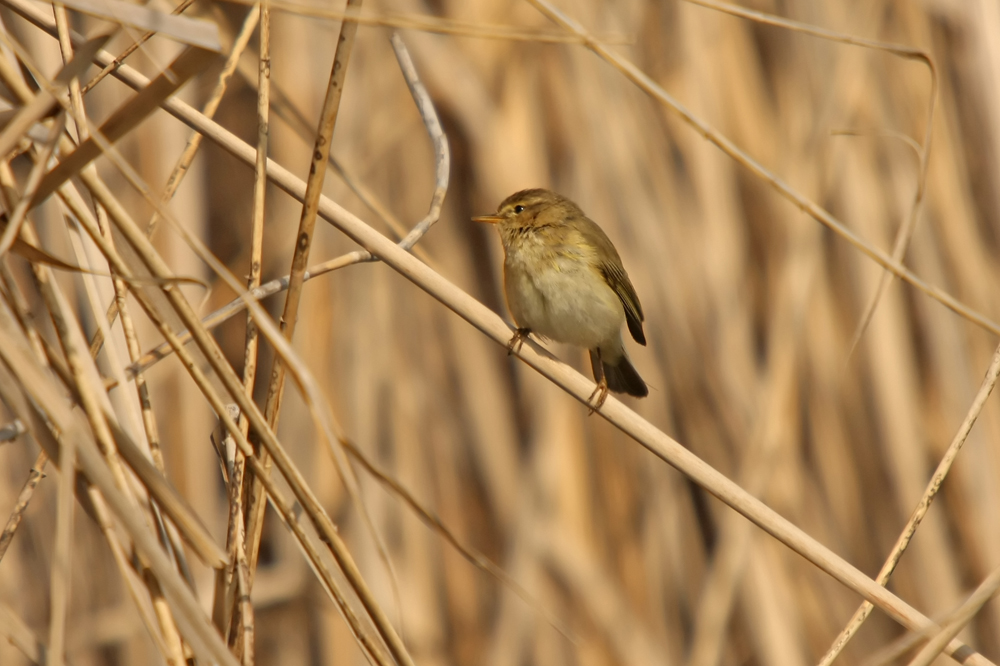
(564, 302)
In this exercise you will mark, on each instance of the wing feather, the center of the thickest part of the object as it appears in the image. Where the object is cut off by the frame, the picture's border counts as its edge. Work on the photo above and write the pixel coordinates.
(618, 280)
(613, 272)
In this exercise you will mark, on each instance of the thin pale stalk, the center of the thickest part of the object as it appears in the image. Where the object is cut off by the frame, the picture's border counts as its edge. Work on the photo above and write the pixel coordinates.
(471, 555)
(936, 645)
(140, 597)
(23, 498)
(37, 173)
(310, 504)
(40, 432)
(923, 506)
(41, 388)
(61, 573)
(119, 60)
(241, 627)
(20, 306)
(233, 308)
(285, 108)
(254, 496)
(310, 205)
(211, 106)
(905, 232)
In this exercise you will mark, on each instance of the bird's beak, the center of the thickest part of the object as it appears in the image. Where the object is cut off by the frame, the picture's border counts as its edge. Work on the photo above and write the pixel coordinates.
(488, 219)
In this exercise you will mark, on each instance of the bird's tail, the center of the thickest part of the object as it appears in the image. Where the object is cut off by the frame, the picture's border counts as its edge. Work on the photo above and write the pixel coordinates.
(622, 378)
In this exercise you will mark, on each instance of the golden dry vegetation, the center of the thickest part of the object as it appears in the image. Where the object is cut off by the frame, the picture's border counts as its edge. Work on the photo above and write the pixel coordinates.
(434, 500)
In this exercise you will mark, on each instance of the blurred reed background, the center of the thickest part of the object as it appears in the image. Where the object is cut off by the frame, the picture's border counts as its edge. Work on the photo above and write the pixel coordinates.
(751, 306)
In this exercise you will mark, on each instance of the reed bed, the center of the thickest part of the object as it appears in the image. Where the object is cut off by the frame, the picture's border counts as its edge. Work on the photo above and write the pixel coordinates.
(343, 465)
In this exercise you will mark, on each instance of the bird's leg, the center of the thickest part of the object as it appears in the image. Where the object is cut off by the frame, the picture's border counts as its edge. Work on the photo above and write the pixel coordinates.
(517, 341)
(600, 394)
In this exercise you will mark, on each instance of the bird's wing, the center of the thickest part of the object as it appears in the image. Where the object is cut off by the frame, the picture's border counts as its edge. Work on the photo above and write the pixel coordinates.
(615, 275)
(619, 282)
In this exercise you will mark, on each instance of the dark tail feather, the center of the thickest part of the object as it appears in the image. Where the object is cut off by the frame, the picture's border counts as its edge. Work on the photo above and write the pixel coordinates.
(622, 378)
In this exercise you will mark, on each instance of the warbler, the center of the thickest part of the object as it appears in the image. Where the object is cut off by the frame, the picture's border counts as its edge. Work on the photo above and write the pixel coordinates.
(564, 280)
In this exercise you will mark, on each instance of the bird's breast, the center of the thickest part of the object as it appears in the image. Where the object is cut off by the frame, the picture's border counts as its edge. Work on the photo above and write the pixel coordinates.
(557, 291)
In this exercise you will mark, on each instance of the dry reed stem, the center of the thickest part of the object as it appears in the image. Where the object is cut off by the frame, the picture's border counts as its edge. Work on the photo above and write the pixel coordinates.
(259, 190)
(61, 574)
(471, 555)
(930, 493)
(486, 321)
(442, 155)
(232, 611)
(307, 222)
(905, 231)
(20, 635)
(117, 61)
(768, 437)
(23, 498)
(408, 240)
(253, 494)
(300, 257)
(254, 501)
(233, 308)
(43, 392)
(224, 372)
(211, 106)
(35, 176)
(41, 104)
(190, 31)
(189, 63)
(962, 616)
(900, 50)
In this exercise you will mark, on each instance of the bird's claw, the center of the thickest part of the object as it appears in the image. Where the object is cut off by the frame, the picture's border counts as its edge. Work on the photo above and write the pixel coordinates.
(517, 340)
(597, 398)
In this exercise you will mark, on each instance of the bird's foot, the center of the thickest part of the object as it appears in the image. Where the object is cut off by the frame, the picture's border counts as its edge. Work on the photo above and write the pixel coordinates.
(597, 398)
(517, 341)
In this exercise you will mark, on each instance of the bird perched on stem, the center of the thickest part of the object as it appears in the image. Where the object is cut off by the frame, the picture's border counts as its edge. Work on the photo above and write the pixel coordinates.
(564, 280)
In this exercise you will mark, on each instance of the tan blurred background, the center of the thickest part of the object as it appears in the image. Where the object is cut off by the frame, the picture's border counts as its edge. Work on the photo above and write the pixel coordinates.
(750, 310)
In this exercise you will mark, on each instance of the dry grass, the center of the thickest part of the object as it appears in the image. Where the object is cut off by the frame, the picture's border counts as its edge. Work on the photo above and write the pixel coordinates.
(820, 298)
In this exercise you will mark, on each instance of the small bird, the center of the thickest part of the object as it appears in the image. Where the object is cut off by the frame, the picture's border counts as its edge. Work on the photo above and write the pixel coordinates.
(564, 280)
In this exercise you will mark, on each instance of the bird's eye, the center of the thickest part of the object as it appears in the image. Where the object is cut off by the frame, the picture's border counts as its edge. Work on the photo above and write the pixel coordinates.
(518, 209)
